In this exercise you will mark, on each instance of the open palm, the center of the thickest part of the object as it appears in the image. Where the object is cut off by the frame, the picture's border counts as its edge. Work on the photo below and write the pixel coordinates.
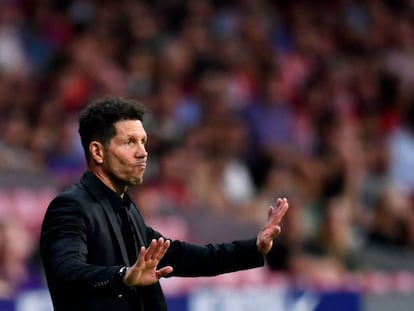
(271, 229)
(144, 271)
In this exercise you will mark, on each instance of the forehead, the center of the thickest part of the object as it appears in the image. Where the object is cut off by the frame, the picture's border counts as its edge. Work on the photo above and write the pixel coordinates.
(129, 127)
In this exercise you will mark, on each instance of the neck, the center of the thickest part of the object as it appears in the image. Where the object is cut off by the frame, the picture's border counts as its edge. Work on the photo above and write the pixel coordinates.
(119, 189)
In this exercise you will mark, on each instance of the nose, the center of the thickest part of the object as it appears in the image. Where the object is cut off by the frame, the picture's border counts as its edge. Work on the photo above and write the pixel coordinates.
(141, 152)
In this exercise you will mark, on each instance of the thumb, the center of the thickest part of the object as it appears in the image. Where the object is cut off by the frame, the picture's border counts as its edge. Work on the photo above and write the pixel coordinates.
(276, 232)
(163, 272)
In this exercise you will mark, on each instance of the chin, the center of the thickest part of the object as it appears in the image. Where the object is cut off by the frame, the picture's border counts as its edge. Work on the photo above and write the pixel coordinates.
(136, 181)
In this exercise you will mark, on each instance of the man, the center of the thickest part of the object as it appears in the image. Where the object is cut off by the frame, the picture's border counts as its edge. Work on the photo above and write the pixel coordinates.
(97, 251)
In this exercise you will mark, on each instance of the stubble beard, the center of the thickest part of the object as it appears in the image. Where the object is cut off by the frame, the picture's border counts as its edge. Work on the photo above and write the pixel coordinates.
(135, 181)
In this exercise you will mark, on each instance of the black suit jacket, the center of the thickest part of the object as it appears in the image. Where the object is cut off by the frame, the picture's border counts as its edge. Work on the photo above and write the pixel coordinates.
(82, 250)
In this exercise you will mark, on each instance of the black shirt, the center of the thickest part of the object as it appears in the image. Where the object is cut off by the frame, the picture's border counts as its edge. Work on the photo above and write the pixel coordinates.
(122, 208)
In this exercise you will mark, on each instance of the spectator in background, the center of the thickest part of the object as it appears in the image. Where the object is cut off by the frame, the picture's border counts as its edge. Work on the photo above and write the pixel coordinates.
(13, 58)
(401, 152)
(16, 250)
(14, 151)
(339, 77)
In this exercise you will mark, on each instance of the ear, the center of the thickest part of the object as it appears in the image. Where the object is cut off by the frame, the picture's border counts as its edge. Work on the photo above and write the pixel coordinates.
(96, 151)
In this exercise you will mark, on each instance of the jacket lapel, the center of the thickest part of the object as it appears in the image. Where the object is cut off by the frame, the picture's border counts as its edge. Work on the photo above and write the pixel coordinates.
(138, 224)
(90, 183)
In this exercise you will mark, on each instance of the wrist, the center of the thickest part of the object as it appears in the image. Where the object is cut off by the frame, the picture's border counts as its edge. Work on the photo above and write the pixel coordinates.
(121, 275)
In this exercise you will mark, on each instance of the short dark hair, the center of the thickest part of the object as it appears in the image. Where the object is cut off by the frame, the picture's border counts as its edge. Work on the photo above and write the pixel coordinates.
(97, 119)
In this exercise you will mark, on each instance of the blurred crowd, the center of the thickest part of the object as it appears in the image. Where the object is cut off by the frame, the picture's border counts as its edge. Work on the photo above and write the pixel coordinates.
(247, 101)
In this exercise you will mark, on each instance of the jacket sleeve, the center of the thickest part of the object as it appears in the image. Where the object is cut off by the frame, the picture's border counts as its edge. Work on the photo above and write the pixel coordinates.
(190, 260)
(63, 247)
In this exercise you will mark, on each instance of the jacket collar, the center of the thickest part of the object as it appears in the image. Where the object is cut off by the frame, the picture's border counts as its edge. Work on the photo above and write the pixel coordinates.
(94, 186)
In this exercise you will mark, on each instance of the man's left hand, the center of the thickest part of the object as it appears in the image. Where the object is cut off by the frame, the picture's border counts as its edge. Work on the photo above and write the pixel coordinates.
(271, 229)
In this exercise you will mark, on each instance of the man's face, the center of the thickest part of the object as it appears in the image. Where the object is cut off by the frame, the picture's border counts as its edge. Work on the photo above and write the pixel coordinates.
(125, 156)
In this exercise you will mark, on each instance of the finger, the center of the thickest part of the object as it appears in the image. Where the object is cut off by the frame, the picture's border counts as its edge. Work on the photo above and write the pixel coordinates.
(270, 212)
(276, 231)
(163, 271)
(158, 248)
(282, 206)
(162, 247)
(280, 203)
(150, 250)
(163, 250)
(141, 255)
(154, 249)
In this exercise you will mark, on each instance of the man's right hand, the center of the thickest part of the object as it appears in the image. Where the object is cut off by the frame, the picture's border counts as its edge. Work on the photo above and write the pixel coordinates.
(144, 271)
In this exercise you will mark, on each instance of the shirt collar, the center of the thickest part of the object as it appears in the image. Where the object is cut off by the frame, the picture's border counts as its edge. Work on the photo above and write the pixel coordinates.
(115, 200)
